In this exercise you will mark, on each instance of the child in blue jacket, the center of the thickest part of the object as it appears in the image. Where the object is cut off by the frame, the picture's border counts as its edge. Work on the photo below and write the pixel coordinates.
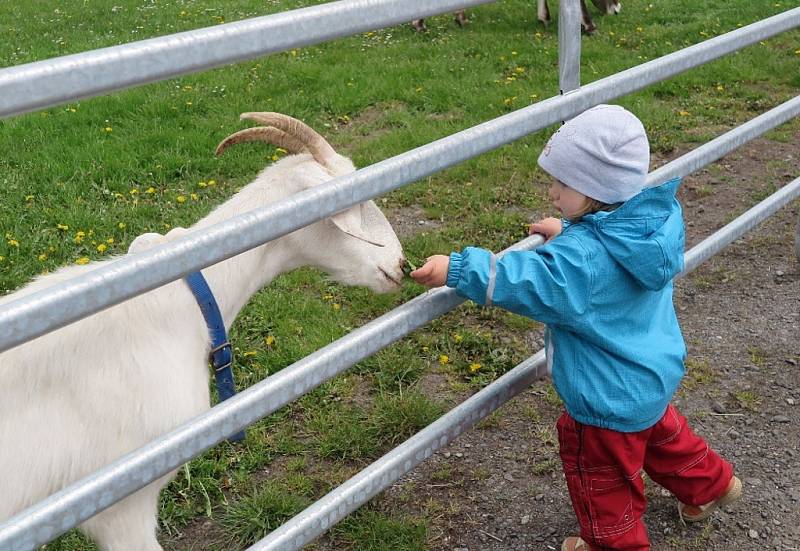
(602, 283)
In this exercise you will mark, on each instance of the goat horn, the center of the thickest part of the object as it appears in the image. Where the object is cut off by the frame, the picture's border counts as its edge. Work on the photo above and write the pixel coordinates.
(318, 146)
(267, 134)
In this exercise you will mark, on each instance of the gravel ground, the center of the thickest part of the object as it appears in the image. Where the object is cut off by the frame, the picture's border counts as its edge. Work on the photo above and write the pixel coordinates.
(500, 487)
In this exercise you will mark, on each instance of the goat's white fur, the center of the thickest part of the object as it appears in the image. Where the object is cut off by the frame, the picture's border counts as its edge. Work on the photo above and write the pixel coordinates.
(75, 399)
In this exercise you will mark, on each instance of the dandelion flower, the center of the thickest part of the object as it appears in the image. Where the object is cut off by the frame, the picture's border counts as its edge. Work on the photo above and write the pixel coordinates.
(82, 260)
(458, 338)
(62, 227)
(13, 243)
(121, 225)
(443, 359)
(110, 240)
(473, 367)
(151, 190)
(249, 353)
(102, 247)
(181, 199)
(269, 340)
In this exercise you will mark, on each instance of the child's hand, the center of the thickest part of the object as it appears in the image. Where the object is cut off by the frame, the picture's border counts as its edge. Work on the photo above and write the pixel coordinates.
(434, 272)
(549, 228)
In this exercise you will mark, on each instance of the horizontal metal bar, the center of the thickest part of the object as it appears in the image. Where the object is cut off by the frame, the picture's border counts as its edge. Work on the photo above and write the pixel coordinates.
(44, 311)
(724, 144)
(720, 239)
(319, 517)
(47, 83)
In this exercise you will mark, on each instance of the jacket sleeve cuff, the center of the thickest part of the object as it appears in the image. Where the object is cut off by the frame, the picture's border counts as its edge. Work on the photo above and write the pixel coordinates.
(454, 271)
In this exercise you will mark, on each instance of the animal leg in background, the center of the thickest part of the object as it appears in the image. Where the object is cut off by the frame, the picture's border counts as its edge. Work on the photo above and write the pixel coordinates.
(587, 24)
(460, 17)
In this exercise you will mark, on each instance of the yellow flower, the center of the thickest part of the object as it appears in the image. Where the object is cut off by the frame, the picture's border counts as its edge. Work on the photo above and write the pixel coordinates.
(683, 113)
(110, 240)
(473, 367)
(82, 260)
(458, 338)
(12, 243)
(134, 191)
(108, 129)
(269, 340)
(151, 190)
(720, 88)
(337, 306)
(181, 199)
(212, 182)
(102, 247)
(424, 348)
(29, 198)
(249, 353)
(121, 225)
(79, 237)
(42, 257)
(443, 359)
(2, 258)
(62, 227)
(519, 70)
(194, 196)
(202, 184)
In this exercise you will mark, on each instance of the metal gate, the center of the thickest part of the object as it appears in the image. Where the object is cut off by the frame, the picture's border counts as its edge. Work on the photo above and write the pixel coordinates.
(42, 84)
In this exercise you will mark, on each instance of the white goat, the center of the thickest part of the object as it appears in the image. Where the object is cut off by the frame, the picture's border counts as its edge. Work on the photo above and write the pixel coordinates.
(74, 400)
(588, 26)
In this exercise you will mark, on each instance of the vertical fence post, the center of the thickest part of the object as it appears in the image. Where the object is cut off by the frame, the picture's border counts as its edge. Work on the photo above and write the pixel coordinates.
(569, 45)
(797, 238)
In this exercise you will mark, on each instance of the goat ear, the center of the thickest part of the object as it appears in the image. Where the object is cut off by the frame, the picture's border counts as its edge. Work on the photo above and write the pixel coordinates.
(349, 221)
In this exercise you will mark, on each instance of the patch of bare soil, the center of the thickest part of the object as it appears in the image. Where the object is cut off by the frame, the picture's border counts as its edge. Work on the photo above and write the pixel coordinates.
(500, 486)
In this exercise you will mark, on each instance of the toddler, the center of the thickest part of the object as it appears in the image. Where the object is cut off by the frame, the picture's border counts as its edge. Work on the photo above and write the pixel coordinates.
(602, 283)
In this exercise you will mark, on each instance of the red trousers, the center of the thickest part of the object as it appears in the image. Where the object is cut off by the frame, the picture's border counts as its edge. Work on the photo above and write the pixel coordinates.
(603, 470)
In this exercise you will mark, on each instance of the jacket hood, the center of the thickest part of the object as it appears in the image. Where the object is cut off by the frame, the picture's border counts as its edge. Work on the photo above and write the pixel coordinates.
(645, 235)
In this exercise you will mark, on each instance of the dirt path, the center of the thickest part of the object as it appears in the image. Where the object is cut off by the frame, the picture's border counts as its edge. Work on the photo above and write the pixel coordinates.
(500, 487)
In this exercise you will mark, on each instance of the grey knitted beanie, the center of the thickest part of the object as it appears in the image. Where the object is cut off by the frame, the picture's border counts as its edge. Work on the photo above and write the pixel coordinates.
(603, 153)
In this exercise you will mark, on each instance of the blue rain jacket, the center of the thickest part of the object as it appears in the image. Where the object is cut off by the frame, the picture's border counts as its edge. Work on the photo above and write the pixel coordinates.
(604, 288)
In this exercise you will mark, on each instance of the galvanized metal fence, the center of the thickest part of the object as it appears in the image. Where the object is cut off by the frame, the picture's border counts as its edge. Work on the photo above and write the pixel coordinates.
(39, 85)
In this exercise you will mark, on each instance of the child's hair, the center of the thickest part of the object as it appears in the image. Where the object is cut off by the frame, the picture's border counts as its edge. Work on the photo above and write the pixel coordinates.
(591, 206)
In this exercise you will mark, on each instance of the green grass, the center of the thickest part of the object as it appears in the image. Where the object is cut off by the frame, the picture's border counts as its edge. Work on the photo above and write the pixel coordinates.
(80, 181)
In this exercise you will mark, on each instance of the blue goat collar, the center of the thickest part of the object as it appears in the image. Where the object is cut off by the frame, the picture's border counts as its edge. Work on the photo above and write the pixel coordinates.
(221, 355)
